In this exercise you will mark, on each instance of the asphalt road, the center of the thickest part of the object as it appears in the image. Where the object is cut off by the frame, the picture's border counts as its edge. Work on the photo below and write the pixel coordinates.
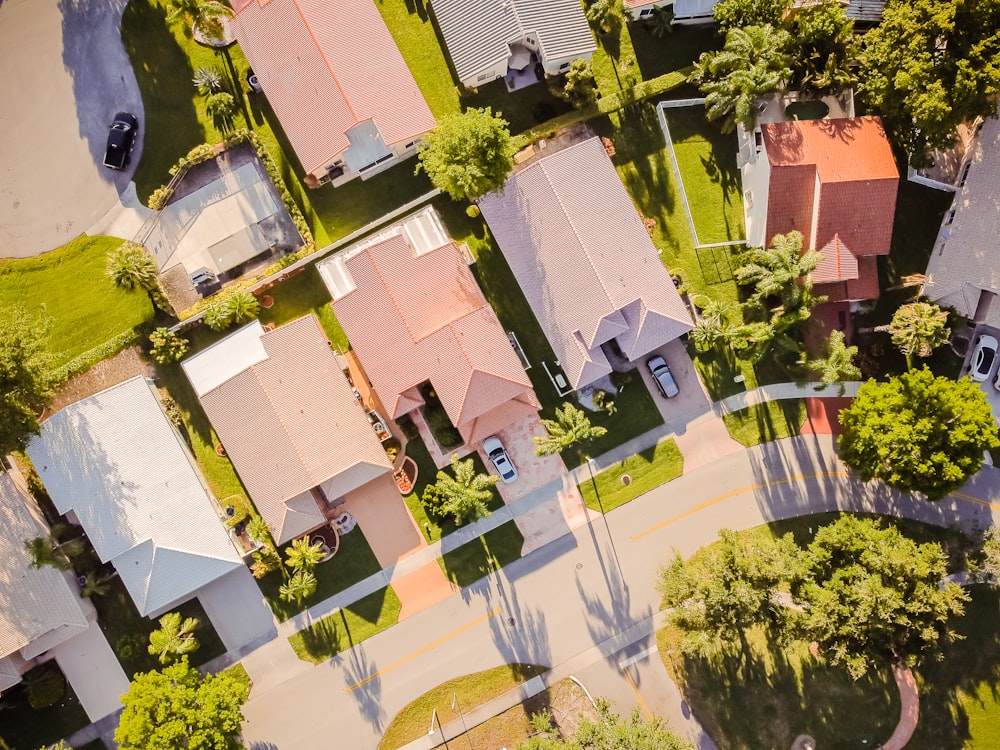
(63, 75)
(569, 595)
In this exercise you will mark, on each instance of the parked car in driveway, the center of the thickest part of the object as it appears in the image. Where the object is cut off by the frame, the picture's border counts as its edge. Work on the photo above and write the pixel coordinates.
(983, 358)
(121, 139)
(500, 460)
(662, 376)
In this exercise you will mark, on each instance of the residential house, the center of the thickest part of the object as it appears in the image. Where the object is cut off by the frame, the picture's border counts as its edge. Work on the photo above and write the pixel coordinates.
(834, 180)
(488, 38)
(337, 82)
(962, 271)
(640, 9)
(415, 315)
(291, 425)
(585, 262)
(115, 464)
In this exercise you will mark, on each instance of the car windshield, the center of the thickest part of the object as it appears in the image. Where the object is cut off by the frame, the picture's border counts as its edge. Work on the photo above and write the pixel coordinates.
(986, 359)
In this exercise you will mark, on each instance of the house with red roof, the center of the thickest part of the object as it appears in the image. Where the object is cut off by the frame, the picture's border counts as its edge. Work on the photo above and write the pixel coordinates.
(834, 180)
(414, 314)
(337, 82)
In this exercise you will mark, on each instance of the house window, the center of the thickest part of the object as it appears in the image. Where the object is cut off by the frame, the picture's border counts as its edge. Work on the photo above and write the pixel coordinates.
(411, 144)
(965, 174)
(951, 217)
(758, 140)
(748, 198)
(645, 12)
(564, 66)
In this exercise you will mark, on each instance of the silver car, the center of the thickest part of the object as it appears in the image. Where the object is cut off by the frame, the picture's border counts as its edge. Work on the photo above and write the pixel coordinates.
(662, 376)
(983, 358)
(500, 460)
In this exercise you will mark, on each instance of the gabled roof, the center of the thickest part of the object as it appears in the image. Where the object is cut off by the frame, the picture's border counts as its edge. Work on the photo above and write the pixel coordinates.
(288, 419)
(326, 67)
(478, 33)
(583, 259)
(38, 610)
(116, 461)
(415, 317)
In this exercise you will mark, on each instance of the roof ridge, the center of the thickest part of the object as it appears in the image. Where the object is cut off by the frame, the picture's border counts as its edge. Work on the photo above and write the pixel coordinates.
(329, 67)
(388, 290)
(284, 427)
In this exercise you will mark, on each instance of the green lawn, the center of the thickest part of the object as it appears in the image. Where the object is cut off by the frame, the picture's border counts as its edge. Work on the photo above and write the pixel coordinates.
(659, 55)
(347, 627)
(353, 562)
(648, 470)
(523, 109)
(69, 287)
(300, 295)
(472, 690)
(25, 728)
(763, 422)
(473, 560)
(614, 63)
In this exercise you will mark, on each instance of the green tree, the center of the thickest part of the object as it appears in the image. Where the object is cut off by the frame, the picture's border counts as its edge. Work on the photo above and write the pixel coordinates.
(174, 638)
(781, 271)
(48, 551)
(95, 584)
(918, 329)
(218, 316)
(299, 587)
(838, 364)
(606, 16)
(989, 565)
(26, 379)
(661, 22)
(266, 557)
(918, 433)
(208, 80)
(203, 16)
(221, 106)
(167, 347)
(469, 154)
(609, 732)
(303, 555)
(752, 64)
(874, 597)
(729, 587)
(717, 322)
(177, 708)
(242, 306)
(578, 85)
(464, 496)
(738, 14)
(570, 426)
(131, 268)
(823, 48)
(929, 66)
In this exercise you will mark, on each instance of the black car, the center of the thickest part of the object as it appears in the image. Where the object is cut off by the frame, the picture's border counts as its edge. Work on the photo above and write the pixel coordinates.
(662, 376)
(121, 139)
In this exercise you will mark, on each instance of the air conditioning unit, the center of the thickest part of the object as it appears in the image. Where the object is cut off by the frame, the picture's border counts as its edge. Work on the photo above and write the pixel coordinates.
(202, 275)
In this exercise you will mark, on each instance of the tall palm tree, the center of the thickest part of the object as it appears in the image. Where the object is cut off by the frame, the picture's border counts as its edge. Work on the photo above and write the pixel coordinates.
(570, 426)
(131, 268)
(203, 16)
(174, 639)
(752, 63)
(715, 323)
(780, 271)
(838, 364)
(303, 555)
(48, 551)
(918, 329)
(464, 494)
(241, 306)
(299, 587)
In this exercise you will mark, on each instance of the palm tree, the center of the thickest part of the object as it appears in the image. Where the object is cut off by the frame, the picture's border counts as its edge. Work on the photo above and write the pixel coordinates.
(661, 22)
(49, 551)
(715, 323)
(299, 587)
(303, 555)
(217, 315)
(918, 329)
(203, 16)
(752, 63)
(95, 584)
(838, 364)
(464, 494)
(241, 306)
(780, 271)
(174, 639)
(131, 268)
(570, 426)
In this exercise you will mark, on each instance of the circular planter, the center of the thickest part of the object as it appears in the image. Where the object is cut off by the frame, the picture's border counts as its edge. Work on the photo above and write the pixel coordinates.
(267, 301)
(219, 450)
(626, 479)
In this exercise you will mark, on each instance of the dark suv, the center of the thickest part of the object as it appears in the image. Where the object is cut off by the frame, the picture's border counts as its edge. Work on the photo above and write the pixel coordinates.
(121, 139)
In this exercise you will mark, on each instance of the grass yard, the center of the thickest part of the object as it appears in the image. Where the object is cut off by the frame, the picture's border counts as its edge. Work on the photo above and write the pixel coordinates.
(648, 470)
(523, 109)
(613, 63)
(473, 560)
(659, 55)
(353, 562)
(347, 627)
(68, 286)
(472, 690)
(302, 294)
(763, 422)
(25, 728)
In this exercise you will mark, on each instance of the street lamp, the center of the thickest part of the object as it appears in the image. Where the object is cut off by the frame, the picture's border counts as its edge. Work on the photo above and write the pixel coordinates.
(430, 732)
(614, 550)
(456, 707)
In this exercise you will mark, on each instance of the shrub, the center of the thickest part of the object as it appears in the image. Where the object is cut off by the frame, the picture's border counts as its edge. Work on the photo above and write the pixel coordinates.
(241, 306)
(208, 80)
(91, 357)
(167, 347)
(441, 427)
(217, 315)
(45, 686)
(473, 211)
(220, 104)
(160, 197)
(408, 427)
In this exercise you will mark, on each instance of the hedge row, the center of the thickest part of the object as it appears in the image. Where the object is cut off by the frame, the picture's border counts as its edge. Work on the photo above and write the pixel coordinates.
(109, 348)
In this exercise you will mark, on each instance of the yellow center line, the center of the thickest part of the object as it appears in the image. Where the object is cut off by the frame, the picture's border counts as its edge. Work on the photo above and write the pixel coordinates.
(976, 500)
(638, 695)
(419, 652)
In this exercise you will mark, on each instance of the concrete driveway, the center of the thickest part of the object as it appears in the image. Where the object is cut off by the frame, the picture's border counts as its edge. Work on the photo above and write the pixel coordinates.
(63, 75)
(692, 398)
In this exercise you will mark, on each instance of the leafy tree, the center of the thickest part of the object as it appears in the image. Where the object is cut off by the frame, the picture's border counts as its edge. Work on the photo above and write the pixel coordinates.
(26, 379)
(266, 557)
(217, 315)
(838, 364)
(752, 63)
(609, 732)
(728, 587)
(174, 638)
(738, 14)
(929, 66)
(132, 268)
(875, 597)
(242, 306)
(177, 708)
(221, 106)
(204, 16)
(989, 566)
(167, 347)
(822, 47)
(606, 16)
(469, 154)
(464, 496)
(570, 426)
(299, 587)
(48, 551)
(918, 433)
(781, 271)
(918, 329)
(717, 322)
(579, 87)
(303, 555)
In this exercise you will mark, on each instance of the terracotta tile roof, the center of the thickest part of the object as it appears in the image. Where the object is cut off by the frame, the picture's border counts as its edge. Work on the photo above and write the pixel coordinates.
(326, 66)
(413, 318)
(290, 423)
(583, 259)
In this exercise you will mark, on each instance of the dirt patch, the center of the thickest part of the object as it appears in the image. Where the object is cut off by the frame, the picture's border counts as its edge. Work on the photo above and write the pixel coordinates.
(123, 366)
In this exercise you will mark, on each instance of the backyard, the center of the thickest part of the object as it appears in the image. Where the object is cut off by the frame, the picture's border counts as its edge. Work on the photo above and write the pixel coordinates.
(22, 726)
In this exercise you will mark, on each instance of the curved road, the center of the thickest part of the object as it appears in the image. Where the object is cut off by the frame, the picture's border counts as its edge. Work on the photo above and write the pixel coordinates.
(569, 596)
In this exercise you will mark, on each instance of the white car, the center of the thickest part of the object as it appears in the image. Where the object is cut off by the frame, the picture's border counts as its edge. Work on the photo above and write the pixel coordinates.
(983, 358)
(500, 460)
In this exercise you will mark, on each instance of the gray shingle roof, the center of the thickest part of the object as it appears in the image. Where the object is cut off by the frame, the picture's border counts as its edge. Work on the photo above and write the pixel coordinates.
(583, 259)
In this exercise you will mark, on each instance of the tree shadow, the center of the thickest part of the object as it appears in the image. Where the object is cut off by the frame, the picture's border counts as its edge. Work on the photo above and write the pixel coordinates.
(362, 673)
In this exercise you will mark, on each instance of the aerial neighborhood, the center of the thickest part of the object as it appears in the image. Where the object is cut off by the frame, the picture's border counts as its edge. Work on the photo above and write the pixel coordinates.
(522, 374)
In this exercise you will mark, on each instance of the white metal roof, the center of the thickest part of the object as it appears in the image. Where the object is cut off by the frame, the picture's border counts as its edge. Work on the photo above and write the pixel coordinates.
(225, 359)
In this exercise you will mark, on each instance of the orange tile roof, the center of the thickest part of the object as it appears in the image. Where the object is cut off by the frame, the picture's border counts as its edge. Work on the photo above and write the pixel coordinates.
(849, 149)
(326, 66)
(417, 318)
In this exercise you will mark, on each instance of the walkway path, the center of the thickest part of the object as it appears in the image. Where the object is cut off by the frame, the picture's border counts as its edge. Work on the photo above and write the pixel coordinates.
(909, 710)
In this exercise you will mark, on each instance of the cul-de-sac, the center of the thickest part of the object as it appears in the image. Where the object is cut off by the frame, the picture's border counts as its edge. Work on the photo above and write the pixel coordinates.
(499, 374)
